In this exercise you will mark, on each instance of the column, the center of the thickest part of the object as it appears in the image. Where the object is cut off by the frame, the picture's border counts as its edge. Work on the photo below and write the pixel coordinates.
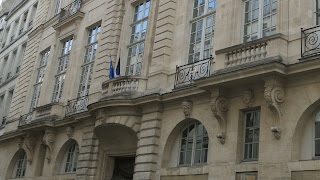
(149, 135)
(88, 154)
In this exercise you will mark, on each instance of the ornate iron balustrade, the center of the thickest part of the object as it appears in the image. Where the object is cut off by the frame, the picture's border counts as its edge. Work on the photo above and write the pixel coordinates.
(186, 74)
(310, 42)
(25, 119)
(70, 10)
(4, 121)
(77, 105)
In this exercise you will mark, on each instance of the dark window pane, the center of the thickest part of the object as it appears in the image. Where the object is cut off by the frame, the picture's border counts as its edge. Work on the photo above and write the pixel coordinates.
(255, 150)
(191, 131)
(317, 147)
(197, 157)
(183, 145)
(204, 155)
(188, 157)
(256, 135)
(249, 136)
(181, 161)
(317, 130)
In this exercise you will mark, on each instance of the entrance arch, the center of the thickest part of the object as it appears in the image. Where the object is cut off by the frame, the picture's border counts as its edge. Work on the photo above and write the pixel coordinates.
(118, 143)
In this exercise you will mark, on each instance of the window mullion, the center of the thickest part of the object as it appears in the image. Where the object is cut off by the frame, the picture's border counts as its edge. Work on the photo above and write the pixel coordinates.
(203, 38)
(260, 21)
(194, 143)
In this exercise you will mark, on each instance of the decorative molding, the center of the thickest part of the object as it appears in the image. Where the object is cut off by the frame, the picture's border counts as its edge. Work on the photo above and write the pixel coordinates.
(187, 108)
(48, 140)
(274, 95)
(219, 107)
(248, 97)
(70, 131)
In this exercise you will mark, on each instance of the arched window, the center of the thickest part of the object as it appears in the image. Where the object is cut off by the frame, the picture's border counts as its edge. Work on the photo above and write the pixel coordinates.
(317, 135)
(20, 166)
(194, 145)
(71, 158)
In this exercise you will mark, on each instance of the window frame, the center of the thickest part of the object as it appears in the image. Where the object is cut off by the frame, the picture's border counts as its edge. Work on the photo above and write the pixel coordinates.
(62, 69)
(260, 20)
(22, 160)
(57, 8)
(38, 85)
(89, 63)
(314, 139)
(253, 142)
(195, 19)
(73, 162)
(194, 138)
(137, 44)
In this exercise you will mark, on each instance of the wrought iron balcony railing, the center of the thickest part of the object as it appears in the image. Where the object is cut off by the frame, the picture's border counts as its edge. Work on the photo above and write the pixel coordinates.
(310, 42)
(77, 105)
(25, 119)
(4, 121)
(70, 10)
(186, 74)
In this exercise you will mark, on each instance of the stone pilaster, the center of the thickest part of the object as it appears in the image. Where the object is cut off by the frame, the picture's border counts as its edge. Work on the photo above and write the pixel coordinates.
(88, 154)
(147, 151)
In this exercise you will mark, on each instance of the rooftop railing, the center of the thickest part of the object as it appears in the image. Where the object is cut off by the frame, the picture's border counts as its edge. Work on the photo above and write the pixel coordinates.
(186, 74)
(70, 10)
(77, 105)
(310, 42)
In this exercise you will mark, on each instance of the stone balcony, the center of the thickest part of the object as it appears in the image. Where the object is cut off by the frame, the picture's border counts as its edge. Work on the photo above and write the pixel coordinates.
(253, 52)
(125, 85)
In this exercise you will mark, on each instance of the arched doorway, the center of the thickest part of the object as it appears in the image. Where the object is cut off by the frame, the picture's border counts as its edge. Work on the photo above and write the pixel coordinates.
(119, 145)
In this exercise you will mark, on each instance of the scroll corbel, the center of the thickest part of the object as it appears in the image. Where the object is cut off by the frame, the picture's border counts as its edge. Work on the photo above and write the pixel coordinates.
(28, 144)
(274, 95)
(48, 140)
(220, 106)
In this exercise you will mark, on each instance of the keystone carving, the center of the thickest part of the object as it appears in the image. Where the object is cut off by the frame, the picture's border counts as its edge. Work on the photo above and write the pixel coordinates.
(274, 96)
(48, 140)
(187, 108)
(220, 106)
(248, 97)
(70, 131)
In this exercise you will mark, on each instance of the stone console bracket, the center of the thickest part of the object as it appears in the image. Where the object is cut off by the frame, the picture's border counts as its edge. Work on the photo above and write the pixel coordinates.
(274, 95)
(220, 106)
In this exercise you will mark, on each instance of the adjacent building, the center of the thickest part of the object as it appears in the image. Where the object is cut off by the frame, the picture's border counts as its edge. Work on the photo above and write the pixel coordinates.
(207, 89)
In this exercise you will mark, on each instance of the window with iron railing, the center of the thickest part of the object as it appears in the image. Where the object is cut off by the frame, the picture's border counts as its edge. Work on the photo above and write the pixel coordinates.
(202, 30)
(62, 68)
(137, 40)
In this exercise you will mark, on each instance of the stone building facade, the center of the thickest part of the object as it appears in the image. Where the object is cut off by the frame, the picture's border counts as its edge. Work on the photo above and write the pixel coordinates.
(209, 89)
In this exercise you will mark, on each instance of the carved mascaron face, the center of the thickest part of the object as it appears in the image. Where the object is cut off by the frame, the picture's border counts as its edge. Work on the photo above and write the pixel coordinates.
(69, 132)
(187, 108)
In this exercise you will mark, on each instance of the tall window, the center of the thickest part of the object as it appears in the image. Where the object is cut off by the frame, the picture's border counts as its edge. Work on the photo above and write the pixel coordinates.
(260, 19)
(61, 72)
(194, 145)
(318, 12)
(252, 132)
(88, 62)
(20, 167)
(40, 76)
(202, 30)
(317, 135)
(137, 40)
(71, 158)
(57, 7)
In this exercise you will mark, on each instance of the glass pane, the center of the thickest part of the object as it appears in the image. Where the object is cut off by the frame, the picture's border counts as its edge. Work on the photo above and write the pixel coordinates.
(254, 27)
(255, 14)
(205, 142)
(317, 130)
(266, 22)
(197, 157)
(248, 6)
(256, 135)
(317, 147)
(188, 157)
(266, 10)
(198, 143)
(200, 130)
(183, 145)
(204, 155)
(181, 160)
(248, 151)
(255, 150)
(274, 7)
(190, 144)
(255, 4)
(191, 131)
(249, 120)
(249, 136)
